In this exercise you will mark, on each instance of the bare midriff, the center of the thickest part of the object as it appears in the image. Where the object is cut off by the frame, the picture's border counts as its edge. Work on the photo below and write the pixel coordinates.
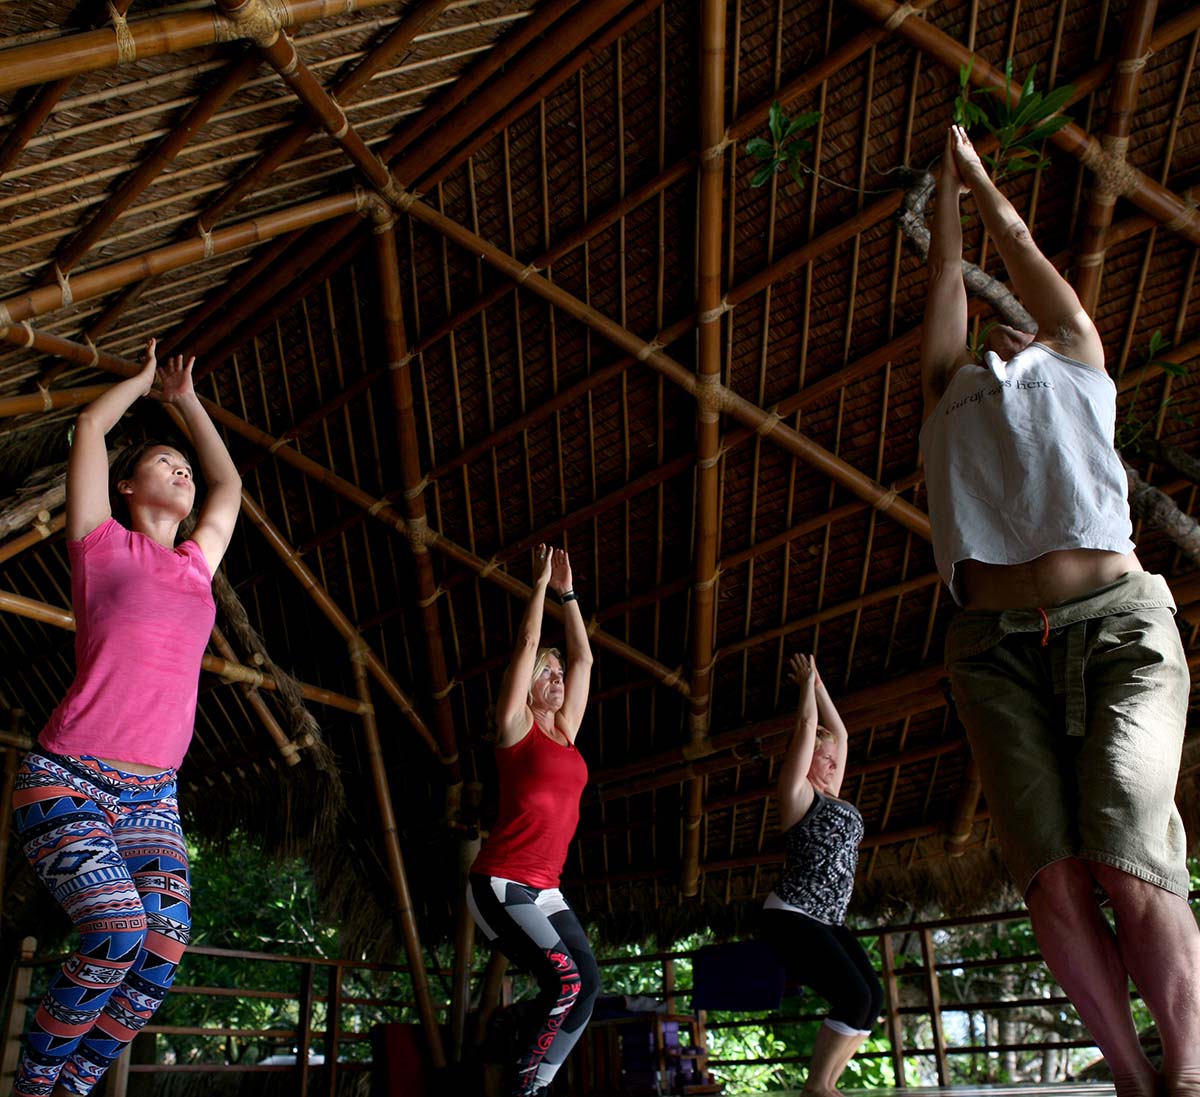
(1056, 577)
(140, 768)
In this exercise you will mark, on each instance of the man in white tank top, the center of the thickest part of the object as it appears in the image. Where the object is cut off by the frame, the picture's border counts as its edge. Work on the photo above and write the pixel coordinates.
(1067, 668)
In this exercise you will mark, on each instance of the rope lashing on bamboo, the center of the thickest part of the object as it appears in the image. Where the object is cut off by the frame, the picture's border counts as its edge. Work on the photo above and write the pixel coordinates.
(708, 462)
(886, 500)
(5, 317)
(126, 43)
(382, 221)
(716, 151)
(282, 440)
(899, 15)
(441, 695)
(772, 420)
(709, 396)
(47, 399)
(29, 335)
(1188, 213)
(651, 348)
(674, 678)
(378, 505)
(700, 749)
(531, 269)
(417, 490)
(425, 603)
(207, 236)
(41, 523)
(64, 284)
(1115, 175)
(87, 340)
(419, 535)
(706, 584)
(489, 567)
(592, 626)
(1134, 64)
(401, 363)
(259, 20)
(709, 315)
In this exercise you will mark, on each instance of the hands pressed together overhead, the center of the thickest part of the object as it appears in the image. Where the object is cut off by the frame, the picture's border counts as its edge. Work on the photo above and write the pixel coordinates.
(554, 568)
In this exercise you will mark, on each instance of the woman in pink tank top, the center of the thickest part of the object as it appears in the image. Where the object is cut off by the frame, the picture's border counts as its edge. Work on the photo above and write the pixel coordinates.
(513, 892)
(95, 803)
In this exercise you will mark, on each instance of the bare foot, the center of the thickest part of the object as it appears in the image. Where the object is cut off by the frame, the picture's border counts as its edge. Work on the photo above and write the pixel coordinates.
(1184, 1082)
(1143, 1083)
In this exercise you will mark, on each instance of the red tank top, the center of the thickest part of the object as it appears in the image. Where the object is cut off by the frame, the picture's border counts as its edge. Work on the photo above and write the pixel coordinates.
(540, 785)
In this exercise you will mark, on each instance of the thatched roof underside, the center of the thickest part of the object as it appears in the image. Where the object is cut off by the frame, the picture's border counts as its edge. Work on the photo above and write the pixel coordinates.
(573, 131)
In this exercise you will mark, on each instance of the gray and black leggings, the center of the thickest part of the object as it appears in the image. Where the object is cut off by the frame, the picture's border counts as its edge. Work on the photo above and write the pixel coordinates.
(539, 932)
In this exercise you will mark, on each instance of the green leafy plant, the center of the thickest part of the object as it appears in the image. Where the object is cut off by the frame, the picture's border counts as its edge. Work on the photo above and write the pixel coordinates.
(1019, 128)
(785, 148)
(1131, 428)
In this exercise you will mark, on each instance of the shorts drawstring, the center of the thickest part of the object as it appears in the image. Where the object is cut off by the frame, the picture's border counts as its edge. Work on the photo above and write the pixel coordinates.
(1045, 627)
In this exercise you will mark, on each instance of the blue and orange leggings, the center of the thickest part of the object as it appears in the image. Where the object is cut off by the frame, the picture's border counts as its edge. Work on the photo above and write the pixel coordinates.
(109, 846)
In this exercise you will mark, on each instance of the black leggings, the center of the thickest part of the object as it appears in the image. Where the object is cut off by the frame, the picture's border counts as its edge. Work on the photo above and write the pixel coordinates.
(831, 961)
(539, 932)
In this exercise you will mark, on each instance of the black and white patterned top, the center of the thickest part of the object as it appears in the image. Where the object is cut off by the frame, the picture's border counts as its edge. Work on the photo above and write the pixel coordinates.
(822, 857)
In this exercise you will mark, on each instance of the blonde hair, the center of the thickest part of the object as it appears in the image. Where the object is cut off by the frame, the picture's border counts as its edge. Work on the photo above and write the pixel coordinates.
(543, 657)
(824, 733)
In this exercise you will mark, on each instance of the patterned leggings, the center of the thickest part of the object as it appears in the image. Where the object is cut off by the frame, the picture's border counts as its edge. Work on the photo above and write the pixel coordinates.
(538, 931)
(109, 846)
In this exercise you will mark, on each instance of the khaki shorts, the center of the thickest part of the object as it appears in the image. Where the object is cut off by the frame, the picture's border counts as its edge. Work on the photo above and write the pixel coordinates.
(1076, 721)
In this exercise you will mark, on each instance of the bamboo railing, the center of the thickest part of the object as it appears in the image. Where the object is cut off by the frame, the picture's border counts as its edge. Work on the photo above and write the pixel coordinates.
(706, 517)
(1125, 180)
(1131, 59)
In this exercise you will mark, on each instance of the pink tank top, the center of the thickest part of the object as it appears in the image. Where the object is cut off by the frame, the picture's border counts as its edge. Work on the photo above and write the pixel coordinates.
(143, 615)
(540, 785)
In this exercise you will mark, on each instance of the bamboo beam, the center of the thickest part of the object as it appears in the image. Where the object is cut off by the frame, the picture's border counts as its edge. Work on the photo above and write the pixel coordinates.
(360, 657)
(714, 397)
(280, 52)
(35, 536)
(345, 627)
(74, 248)
(1131, 59)
(344, 90)
(44, 102)
(427, 592)
(708, 419)
(170, 257)
(45, 400)
(1123, 179)
(154, 36)
(289, 750)
(380, 509)
(225, 669)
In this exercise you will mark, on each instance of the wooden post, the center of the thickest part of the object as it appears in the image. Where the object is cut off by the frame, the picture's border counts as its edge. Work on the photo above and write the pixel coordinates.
(359, 655)
(491, 994)
(706, 521)
(894, 1023)
(413, 485)
(117, 1078)
(304, 1044)
(964, 810)
(464, 950)
(19, 984)
(333, 1028)
(935, 1007)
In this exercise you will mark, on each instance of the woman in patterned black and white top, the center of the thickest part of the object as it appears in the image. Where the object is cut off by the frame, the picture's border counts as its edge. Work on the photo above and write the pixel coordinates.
(805, 916)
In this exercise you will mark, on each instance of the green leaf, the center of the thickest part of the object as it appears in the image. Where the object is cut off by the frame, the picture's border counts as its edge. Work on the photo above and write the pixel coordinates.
(1158, 343)
(802, 122)
(763, 174)
(796, 170)
(1175, 369)
(775, 120)
(795, 148)
(760, 148)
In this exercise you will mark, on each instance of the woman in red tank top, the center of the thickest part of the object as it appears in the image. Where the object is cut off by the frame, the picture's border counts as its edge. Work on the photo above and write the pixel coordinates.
(513, 893)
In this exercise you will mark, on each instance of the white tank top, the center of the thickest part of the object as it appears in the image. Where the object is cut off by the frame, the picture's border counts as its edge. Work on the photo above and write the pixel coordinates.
(1019, 461)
